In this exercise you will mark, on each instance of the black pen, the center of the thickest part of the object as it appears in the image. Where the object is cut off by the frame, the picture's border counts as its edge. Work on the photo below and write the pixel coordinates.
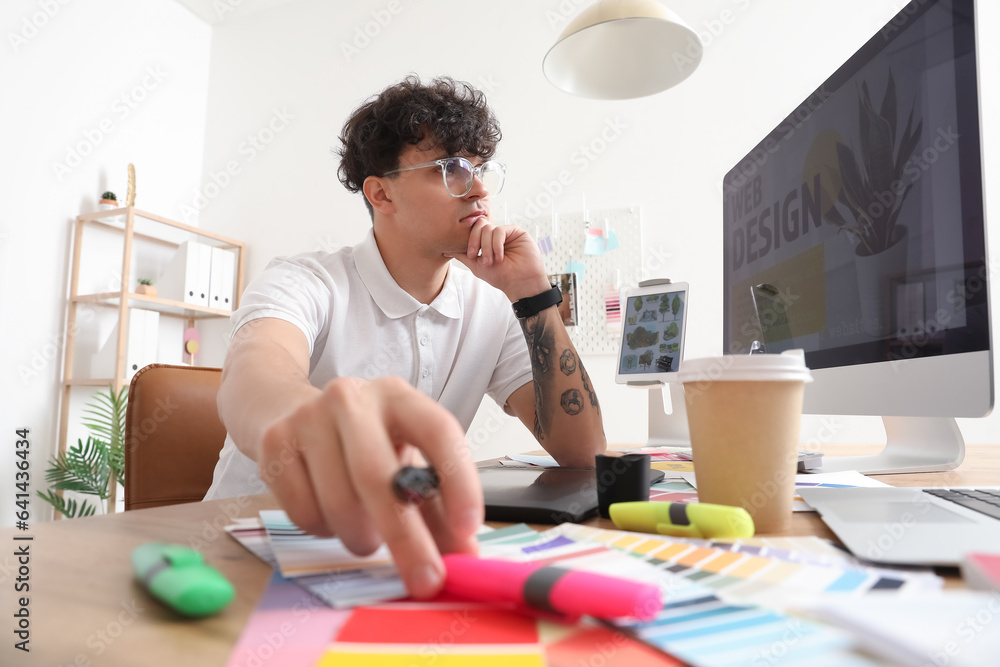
(414, 485)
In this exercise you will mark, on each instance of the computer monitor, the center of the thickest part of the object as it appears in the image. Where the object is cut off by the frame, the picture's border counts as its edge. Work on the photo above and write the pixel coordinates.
(858, 226)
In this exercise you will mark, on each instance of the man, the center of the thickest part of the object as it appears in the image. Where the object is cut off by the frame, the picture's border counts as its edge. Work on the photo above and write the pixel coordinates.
(344, 367)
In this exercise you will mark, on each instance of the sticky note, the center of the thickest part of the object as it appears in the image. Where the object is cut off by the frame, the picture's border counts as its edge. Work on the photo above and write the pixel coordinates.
(595, 243)
(575, 267)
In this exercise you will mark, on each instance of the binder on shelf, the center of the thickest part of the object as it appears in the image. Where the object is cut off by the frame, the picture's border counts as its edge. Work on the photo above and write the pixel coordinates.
(220, 288)
(188, 274)
(141, 345)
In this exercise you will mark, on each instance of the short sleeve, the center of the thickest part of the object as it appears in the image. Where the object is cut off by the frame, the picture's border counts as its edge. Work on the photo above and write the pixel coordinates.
(513, 369)
(298, 290)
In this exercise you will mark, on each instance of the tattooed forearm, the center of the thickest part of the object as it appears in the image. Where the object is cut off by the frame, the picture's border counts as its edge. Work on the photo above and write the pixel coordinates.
(541, 341)
(571, 401)
(587, 387)
(539, 429)
(551, 387)
(567, 362)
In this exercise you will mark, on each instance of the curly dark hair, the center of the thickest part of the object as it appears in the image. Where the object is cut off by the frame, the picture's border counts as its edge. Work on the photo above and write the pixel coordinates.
(453, 112)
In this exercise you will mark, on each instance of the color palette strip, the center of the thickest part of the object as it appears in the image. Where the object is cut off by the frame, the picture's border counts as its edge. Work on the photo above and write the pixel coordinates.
(758, 572)
(299, 553)
(697, 624)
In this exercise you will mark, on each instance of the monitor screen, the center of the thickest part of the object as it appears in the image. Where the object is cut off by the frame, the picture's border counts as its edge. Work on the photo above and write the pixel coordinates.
(652, 341)
(855, 229)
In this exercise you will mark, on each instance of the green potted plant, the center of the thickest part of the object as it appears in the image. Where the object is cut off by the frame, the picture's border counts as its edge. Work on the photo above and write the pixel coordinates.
(146, 287)
(87, 467)
(873, 188)
(108, 201)
(871, 181)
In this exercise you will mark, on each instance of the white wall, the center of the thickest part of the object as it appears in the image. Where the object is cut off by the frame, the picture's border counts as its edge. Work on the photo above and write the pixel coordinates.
(112, 82)
(286, 78)
(314, 61)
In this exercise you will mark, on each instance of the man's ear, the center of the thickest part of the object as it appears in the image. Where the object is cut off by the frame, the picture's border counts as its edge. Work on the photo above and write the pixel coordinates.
(375, 192)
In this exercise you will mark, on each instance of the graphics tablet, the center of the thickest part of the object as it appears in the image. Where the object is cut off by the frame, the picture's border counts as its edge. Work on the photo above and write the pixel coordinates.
(542, 495)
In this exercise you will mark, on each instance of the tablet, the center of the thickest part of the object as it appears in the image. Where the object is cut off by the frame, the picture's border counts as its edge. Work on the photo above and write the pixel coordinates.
(542, 495)
(654, 325)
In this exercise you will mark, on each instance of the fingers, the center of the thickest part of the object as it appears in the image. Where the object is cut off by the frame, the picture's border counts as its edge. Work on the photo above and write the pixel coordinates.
(302, 463)
(488, 239)
(448, 540)
(284, 471)
(331, 465)
(337, 498)
(403, 415)
(440, 438)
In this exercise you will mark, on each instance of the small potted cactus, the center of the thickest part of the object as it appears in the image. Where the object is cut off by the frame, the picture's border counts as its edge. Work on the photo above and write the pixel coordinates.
(146, 287)
(108, 201)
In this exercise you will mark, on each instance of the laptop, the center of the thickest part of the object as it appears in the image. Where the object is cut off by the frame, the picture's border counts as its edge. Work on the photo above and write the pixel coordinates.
(911, 525)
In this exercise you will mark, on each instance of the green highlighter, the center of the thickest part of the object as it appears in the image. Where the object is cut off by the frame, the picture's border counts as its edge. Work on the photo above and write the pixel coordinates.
(701, 520)
(179, 577)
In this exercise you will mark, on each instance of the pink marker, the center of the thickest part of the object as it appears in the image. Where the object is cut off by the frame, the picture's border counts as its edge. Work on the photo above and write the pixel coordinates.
(549, 589)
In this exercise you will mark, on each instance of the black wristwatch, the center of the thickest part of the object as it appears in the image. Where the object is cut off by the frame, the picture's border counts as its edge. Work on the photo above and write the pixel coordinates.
(532, 305)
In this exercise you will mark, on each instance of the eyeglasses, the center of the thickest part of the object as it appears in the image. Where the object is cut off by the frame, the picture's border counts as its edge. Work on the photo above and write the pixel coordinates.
(459, 174)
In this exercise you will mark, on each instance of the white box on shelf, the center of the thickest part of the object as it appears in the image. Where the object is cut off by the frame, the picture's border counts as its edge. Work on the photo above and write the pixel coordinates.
(141, 343)
(220, 289)
(188, 274)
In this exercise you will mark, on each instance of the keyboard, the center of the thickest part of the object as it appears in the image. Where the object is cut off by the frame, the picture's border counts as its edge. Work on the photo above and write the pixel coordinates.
(985, 501)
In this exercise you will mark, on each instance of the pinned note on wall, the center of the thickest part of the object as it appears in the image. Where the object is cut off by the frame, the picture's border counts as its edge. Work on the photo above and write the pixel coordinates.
(579, 268)
(595, 243)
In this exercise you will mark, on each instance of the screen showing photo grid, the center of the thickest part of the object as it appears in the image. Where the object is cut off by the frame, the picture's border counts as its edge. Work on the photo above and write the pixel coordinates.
(651, 339)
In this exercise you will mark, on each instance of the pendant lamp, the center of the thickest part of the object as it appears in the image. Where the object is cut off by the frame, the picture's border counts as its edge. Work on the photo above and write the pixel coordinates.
(621, 49)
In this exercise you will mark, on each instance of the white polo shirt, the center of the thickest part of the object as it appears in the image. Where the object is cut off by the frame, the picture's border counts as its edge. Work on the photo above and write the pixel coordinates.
(360, 323)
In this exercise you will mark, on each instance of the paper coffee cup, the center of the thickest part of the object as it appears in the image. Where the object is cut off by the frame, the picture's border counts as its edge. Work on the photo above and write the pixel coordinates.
(744, 414)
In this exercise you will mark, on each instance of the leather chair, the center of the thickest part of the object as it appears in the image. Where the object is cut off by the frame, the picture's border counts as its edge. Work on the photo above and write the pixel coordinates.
(173, 435)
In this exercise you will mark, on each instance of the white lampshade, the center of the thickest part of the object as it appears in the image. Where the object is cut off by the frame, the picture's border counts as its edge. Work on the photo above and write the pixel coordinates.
(618, 49)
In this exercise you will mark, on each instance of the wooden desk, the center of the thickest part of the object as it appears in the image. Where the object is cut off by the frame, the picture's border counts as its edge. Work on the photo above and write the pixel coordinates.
(87, 610)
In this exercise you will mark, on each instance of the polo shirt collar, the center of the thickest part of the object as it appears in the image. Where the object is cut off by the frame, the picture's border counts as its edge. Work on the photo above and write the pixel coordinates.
(394, 301)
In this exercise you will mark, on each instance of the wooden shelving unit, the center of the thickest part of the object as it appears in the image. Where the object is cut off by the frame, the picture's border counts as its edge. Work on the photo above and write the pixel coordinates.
(124, 299)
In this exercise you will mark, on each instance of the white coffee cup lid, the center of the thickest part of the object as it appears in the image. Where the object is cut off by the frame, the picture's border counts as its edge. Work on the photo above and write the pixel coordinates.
(789, 366)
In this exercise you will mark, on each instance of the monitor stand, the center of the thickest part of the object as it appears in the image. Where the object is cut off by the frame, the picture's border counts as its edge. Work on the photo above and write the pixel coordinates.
(668, 423)
(913, 444)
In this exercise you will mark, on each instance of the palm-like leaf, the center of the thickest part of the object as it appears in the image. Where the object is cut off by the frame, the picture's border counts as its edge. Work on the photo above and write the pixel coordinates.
(107, 415)
(107, 421)
(83, 468)
(87, 467)
(870, 184)
(68, 507)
